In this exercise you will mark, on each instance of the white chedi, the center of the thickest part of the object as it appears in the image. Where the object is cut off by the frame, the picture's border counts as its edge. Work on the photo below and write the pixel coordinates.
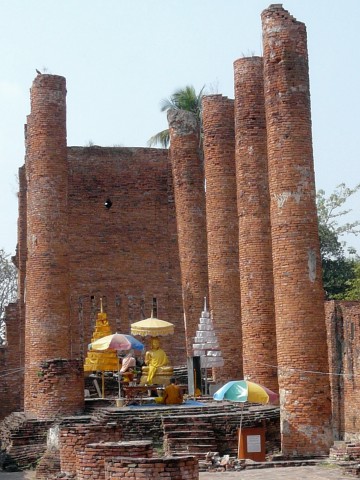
(205, 344)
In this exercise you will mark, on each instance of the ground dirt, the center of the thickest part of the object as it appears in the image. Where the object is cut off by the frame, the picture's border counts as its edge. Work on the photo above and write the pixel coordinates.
(280, 473)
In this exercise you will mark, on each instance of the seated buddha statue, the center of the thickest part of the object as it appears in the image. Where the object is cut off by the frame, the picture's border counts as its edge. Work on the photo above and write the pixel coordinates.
(157, 369)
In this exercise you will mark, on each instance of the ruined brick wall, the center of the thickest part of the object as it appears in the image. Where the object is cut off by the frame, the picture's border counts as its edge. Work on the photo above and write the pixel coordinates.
(47, 272)
(11, 364)
(299, 296)
(12, 356)
(336, 352)
(48, 466)
(255, 254)
(91, 461)
(343, 336)
(222, 231)
(188, 178)
(127, 254)
(183, 468)
(74, 438)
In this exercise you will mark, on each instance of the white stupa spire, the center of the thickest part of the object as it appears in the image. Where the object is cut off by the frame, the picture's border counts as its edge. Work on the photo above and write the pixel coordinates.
(205, 344)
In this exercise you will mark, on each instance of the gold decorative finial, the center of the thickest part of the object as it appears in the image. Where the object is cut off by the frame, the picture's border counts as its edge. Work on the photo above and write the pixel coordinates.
(101, 306)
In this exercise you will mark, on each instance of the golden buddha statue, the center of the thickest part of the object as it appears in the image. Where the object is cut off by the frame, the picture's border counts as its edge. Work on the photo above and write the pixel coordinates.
(157, 369)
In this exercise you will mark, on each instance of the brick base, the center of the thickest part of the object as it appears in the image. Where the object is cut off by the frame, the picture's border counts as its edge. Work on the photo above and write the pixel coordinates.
(183, 468)
(90, 461)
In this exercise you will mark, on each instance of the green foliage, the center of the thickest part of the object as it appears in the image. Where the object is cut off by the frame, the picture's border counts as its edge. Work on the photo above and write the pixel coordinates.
(182, 99)
(329, 213)
(353, 291)
(161, 138)
(338, 275)
(339, 271)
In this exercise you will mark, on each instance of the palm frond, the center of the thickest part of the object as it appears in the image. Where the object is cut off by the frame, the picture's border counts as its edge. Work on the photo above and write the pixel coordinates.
(161, 138)
(186, 99)
(166, 104)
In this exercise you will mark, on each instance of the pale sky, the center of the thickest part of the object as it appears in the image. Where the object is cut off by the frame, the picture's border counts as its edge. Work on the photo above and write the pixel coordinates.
(121, 57)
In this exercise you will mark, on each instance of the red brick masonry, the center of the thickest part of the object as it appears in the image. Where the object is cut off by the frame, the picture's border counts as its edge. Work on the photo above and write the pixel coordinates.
(183, 468)
(90, 462)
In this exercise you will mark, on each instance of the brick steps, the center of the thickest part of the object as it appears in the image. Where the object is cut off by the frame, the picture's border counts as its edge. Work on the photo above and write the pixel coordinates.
(193, 435)
(186, 434)
(211, 427)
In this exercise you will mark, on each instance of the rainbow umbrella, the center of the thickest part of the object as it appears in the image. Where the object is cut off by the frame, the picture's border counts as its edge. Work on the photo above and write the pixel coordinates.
(242, 391)
(116, 341)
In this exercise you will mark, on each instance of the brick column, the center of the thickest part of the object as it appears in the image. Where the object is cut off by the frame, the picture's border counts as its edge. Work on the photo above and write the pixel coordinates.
(188, 176)
(299, 296)
(222, 232)
(257, 288)
(47, 282)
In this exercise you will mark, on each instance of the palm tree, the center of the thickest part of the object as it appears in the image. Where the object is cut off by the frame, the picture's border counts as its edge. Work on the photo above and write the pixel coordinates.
(182, 99)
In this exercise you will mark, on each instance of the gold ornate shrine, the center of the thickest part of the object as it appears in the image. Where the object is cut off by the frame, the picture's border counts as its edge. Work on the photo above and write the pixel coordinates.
(101, 361)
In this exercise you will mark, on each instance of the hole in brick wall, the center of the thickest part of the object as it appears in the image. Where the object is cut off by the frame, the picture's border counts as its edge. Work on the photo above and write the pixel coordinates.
(154, 306)
(108, 203)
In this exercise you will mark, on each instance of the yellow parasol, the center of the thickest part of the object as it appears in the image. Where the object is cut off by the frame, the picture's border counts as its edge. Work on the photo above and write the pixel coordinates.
(152, 326)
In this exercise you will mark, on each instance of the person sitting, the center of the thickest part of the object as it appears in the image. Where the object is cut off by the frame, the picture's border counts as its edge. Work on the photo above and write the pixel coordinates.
(156, 363)
(127, 365)
(172, 394)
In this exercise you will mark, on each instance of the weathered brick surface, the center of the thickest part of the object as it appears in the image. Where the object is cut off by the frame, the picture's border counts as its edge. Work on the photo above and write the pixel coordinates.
(343, 321)
(22, 440)
(74, 438)
(59, 388)
(127, 254)
(299, 296)
(222, 231)
(47, 279)
(184, 468)
(255, 255)
(188, 178)
(13, 352)
(344, 451)
(49, 465)
(90, 462)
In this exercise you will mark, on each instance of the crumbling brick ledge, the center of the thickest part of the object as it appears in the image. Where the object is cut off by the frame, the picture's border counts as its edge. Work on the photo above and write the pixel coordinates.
(181, 468)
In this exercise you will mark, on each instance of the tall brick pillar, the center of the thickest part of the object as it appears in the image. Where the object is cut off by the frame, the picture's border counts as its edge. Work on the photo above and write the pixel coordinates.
(188, 176)
(53, 381)
(255, 258)
(299, 297)
(222, 232)
(20, 262)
